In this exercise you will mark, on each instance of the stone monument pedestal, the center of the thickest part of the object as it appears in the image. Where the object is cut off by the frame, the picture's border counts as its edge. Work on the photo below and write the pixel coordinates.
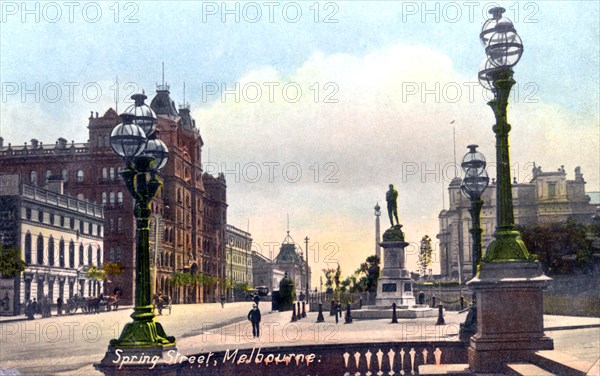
(395, 282)
(510, 322)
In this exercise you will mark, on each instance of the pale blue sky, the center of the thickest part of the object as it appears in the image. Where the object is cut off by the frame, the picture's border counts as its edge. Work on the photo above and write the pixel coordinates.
(371, 53)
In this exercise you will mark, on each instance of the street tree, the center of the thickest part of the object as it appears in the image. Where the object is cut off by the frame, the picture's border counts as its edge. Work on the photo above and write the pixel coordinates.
(425, 252)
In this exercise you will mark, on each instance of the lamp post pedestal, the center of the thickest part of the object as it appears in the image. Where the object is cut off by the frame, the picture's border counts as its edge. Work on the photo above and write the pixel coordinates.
(509, 315)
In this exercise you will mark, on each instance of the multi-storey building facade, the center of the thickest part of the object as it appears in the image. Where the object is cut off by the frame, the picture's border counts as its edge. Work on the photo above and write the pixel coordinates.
(548, 197)
(191, 207)
(59, 238)
(239, 257)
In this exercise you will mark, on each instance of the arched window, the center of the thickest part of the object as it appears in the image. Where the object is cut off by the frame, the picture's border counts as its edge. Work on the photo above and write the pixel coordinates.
(119, 224)
(33, 178)
(99, 256)
(120, 197)
(80, 254)
(40, 250)
(104, 173)
(61, 253)
(104, 198)
(28, 248)
(112, 173)
(71, 254)
(90, 255)
(80, 176)
(112, 197)
(51, 251)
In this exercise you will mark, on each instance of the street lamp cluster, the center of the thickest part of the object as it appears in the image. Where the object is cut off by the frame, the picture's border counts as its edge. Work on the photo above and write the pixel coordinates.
(135, 141)
(503, 48)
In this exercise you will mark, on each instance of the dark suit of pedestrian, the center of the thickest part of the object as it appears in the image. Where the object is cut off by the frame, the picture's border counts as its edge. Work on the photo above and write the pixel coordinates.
(254, 317)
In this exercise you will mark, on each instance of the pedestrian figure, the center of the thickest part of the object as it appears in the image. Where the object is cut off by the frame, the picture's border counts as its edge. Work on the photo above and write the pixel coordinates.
(34, 307)
(222, 302)
(254, 317)
(59, 304)
(29, 310)
(159, 303)
(256, 299)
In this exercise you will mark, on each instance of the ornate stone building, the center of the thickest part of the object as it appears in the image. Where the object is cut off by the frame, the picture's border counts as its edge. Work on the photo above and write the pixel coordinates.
(239, 257)
(548, 197)
(59, 238)
(190, 209)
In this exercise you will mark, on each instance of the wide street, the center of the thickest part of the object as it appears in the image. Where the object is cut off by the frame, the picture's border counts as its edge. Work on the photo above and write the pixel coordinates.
(68, 345)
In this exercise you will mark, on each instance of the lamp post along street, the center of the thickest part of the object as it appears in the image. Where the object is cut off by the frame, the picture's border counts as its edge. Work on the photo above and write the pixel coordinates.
(503, 49)
(473, 185)
(144, 156)
(306, 239)
(508, 282)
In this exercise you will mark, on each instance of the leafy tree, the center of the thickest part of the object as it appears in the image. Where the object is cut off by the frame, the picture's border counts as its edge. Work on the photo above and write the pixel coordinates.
(560, 247)
(94, 273)
(112, 268)
(11, 264)
(329, 275)
(337, 278)
(287, 293)
(425, 255)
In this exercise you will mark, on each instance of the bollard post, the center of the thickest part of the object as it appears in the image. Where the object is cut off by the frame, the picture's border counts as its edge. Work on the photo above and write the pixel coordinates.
(360, 303)
(440, 320)
(294, 318)
(348, 315)
(299, 315)
(320, 317)
(433, 301)
(394, 316)
(303, 309)
(462, 302)
(333, 308)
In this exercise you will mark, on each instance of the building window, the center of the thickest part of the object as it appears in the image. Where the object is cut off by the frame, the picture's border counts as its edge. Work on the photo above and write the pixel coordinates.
(40, 216)
(80, 176)
(551, 189)
(99, 256)
(28, 214)
(89, 255)
(33, 178)
(112, 198)
(71, 254)
(51, 251)
(65, 175)
(111, 225)
(61, 253)
(120, 197)
(104, 173)
(62, 221)
(48, 174)
(40, 250)
(90, 229)
(104, 198)
(52, 218)
(80, 254)
(112, 173)
(72, 223)
(119, 224)
(28, 248)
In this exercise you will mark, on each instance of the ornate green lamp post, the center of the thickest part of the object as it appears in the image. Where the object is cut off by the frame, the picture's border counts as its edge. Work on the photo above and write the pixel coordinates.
(508, 284)
(134, 140)
(503, 48)
(473, 185)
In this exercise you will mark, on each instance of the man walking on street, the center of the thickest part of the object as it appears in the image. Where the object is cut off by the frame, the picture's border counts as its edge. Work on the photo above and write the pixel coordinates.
(254, 317)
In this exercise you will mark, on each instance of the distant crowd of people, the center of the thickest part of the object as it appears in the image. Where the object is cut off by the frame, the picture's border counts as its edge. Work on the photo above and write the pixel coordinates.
(43, 307)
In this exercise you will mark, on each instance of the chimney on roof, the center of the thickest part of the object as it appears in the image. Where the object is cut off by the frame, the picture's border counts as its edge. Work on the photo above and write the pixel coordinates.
(56, 184)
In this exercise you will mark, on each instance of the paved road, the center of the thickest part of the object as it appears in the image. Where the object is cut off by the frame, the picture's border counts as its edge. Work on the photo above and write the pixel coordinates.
(66, 343)
(69, 345)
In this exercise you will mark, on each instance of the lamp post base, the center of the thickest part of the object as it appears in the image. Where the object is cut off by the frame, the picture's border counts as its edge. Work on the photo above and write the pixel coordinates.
(510, 322)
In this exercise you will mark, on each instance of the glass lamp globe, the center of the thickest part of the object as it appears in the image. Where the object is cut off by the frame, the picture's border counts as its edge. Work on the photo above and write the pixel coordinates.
(473, 160)
(486, 70)
(490, 25)
(144, 116)
(157, 150)
(126, 139)
(505, 47)
(474, 184)
(377, 210)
